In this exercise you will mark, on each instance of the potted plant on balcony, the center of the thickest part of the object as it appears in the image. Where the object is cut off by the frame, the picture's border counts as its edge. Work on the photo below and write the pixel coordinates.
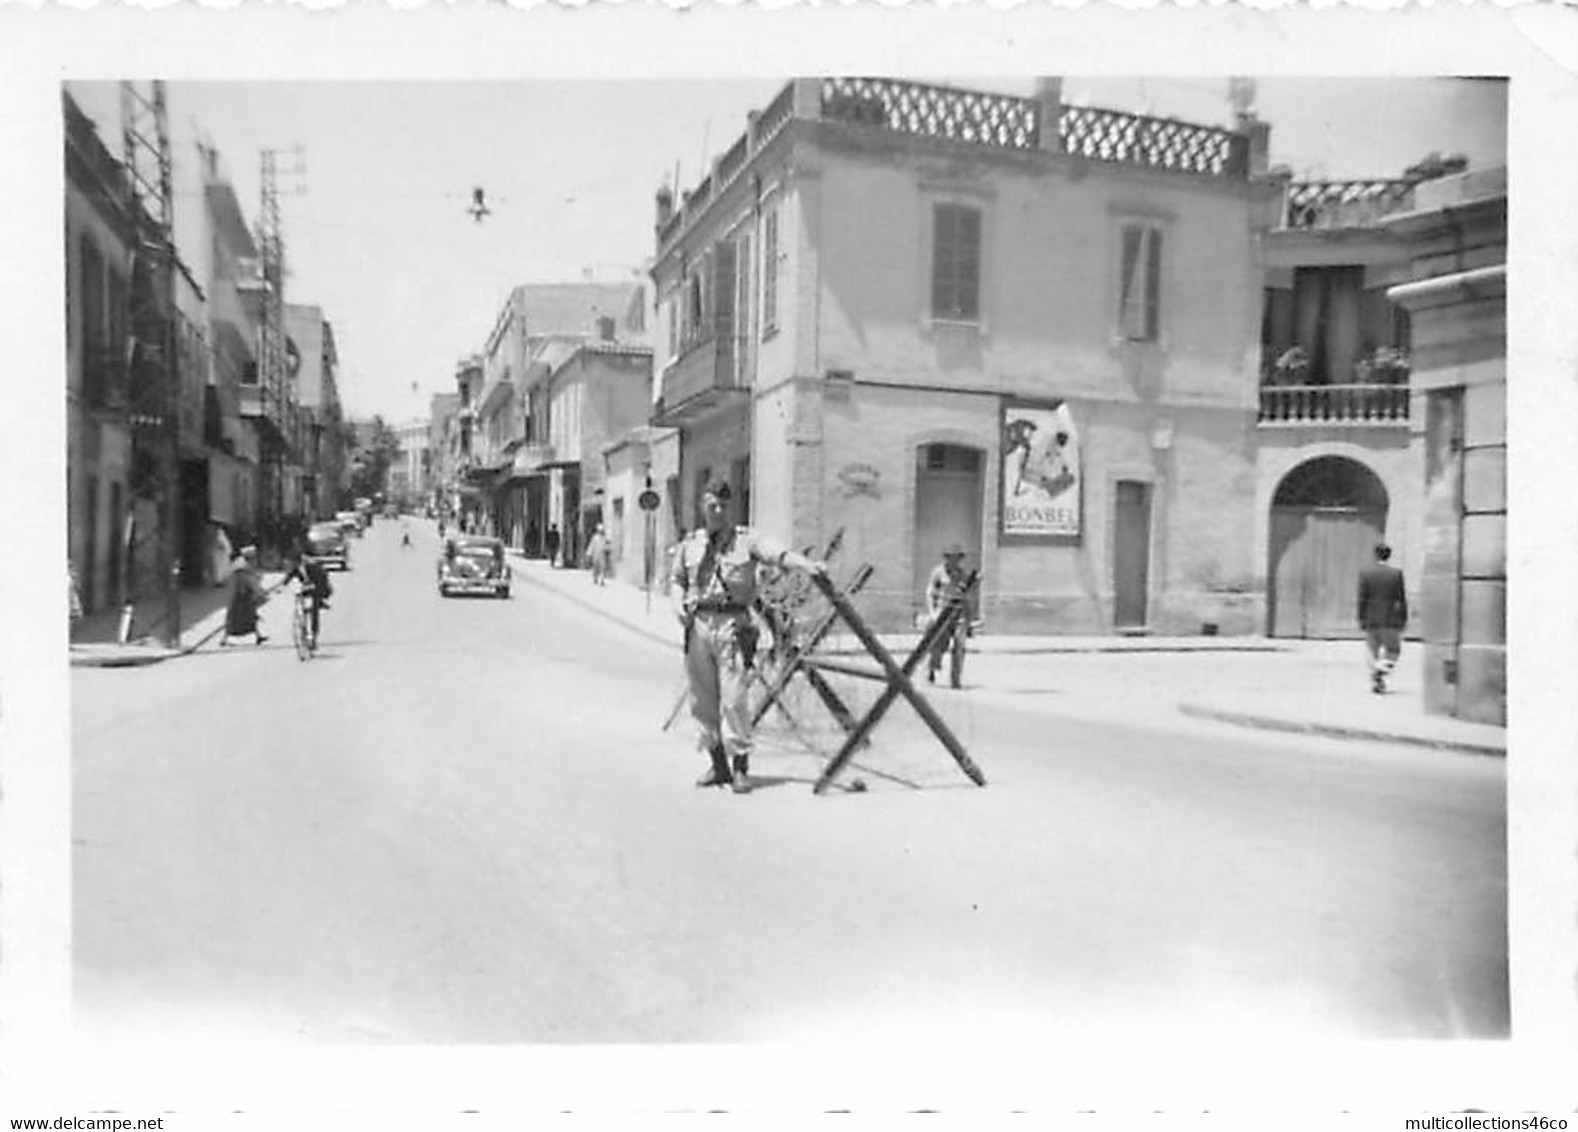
(1385, 365)
(1292, 367)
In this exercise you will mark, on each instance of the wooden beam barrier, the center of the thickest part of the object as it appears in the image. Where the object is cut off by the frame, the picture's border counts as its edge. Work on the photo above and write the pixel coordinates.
(898, 680)
(844, 667)
(780, 683)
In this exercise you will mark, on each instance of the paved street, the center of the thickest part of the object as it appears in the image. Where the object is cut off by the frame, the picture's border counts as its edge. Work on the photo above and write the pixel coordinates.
(461, 823)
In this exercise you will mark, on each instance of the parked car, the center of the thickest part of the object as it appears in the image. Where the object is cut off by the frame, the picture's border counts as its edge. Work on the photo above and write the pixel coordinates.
(327, 543)
(473, 564)
(349, 522)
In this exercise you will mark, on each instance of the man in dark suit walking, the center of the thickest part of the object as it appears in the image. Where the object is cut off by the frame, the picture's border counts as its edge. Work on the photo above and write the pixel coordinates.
(1383, 612)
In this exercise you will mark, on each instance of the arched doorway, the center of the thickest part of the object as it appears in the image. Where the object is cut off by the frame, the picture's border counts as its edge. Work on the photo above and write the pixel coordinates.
(1326, 517)
(949, 483)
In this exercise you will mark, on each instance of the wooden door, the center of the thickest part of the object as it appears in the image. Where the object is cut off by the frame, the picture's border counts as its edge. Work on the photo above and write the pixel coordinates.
(1131, 554)
(1317, 553)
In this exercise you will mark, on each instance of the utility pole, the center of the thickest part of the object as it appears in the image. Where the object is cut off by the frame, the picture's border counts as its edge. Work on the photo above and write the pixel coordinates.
(155, 375)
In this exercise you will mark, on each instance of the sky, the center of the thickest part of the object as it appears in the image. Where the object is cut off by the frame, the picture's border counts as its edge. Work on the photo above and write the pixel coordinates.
(375, 222)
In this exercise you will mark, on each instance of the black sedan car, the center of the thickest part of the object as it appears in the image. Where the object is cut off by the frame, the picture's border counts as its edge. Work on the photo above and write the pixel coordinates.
(472, 564)
(326, 542)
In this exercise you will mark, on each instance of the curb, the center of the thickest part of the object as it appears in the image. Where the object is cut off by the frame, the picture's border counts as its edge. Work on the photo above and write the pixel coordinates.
(1335, 731)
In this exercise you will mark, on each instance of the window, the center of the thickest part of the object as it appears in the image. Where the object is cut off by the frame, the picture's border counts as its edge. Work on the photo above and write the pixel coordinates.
(1139, 315)
(671, 315)
(956, 263)
(770, 275)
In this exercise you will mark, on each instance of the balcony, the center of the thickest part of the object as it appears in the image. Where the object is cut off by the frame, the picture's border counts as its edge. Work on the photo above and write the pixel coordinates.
(1371, 405)
(699, 382)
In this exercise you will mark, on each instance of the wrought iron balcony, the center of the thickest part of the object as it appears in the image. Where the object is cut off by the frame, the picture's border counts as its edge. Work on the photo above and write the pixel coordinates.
(699, 381)
(1314, 405)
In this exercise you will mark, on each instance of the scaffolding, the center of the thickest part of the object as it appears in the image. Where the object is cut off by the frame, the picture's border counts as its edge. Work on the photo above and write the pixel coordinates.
(152, 354)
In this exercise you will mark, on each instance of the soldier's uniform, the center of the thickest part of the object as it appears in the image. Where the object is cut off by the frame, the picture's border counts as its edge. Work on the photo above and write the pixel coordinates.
(719, 584)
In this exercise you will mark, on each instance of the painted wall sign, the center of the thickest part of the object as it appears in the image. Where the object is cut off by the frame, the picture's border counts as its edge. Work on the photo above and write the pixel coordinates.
(860, 479)
(1040, 485)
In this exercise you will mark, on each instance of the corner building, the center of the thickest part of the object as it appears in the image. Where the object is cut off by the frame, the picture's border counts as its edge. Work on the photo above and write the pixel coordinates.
(923, 315)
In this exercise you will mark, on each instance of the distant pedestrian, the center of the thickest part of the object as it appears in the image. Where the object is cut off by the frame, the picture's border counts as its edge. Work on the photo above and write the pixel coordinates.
(246, 597)
(945, 589)
(598, 553)
(74, 593)
(1383, 613)
(712, 586)
(551, 544)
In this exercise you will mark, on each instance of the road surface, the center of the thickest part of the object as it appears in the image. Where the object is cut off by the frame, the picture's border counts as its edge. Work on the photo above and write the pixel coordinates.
(461, 823)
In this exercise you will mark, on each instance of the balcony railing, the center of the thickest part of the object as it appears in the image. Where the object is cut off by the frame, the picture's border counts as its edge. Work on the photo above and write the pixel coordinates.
(702, 378)
(1162, 143)
(1345, 204)
(981, 118)
(1385, 405)
(977, 117)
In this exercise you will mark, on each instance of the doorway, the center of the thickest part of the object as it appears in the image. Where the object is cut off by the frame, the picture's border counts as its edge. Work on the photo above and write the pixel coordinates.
(949, 480)
(1131, 554)
(1326, 517)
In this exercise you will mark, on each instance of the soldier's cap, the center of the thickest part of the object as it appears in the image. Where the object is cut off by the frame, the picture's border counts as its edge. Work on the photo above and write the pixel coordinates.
(953, 550)
(718, 489)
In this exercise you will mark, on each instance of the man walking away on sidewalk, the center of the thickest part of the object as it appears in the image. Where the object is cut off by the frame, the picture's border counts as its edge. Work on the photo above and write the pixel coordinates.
(1383, 612)
(552, 544)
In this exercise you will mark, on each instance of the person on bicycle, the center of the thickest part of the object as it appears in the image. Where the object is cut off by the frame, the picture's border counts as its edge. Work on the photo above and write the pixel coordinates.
(314, 581)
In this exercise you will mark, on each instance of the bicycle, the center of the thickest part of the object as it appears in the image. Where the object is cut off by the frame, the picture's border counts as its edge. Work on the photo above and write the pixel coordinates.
(301, 626)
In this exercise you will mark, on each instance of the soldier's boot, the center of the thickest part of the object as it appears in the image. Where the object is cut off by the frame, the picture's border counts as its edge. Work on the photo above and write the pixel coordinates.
(718, 775)
(742, 772)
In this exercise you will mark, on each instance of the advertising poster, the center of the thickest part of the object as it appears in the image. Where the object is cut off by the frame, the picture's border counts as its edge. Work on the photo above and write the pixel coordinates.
(1040, 472)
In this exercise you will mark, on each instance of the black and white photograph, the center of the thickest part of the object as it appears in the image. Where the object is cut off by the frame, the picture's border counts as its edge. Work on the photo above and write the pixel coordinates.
(840, 551)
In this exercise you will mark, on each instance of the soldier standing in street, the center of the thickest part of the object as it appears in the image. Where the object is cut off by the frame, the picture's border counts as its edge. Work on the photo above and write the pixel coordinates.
(712, 585)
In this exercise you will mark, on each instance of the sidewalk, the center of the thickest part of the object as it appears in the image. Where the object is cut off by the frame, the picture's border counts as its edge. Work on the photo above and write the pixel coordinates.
(95, 639)
(1311, 687)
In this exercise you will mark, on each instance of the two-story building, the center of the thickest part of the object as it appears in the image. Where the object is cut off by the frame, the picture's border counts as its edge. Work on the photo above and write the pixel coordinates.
(597, 395)
(923, 315)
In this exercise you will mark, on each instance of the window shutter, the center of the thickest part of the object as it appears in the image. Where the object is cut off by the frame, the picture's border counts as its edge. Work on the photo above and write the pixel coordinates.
(1153, 283)
(956, 262)
(1130, 314)
(968, 302)
(723, 295)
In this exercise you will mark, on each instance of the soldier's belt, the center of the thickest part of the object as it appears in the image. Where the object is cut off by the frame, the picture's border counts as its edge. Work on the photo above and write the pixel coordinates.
(721, 607)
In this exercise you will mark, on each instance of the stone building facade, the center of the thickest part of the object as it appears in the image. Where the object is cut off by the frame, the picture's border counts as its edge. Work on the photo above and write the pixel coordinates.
(1457, 302)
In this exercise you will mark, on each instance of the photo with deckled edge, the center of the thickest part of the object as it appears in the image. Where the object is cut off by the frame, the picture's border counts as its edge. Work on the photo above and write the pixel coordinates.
(1515, 79)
